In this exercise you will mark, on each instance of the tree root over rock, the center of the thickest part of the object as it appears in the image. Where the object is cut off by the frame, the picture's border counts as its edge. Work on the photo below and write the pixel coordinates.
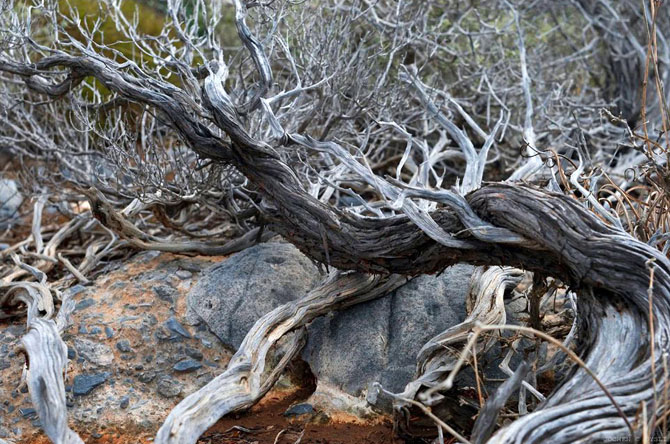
(247, 379)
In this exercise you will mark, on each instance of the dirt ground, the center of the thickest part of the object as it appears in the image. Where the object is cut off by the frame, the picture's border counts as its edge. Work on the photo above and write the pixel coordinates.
(266, 424)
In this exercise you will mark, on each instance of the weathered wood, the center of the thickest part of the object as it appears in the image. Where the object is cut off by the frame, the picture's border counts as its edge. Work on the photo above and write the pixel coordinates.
(246, 378)
(486, 421)
(438, 357)
(46, 362)
(566, 241)
(497, 224)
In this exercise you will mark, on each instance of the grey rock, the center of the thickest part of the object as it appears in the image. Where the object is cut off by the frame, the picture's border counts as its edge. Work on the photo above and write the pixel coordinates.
(229, 297)
(82, 305)
(28, 412)
(109, 332)
(168, 387)
(299, 409)
(124, 346)
(84, 384)
(163, 334)
(174, 325)
(184, 274)
(194, 353)
(165, 292)
(188, 265)
(124, 402)
(187, 365)
(378, 341)
(94, 352)
(10, 201)
(74, 290)
(15, 330)
(147, 376)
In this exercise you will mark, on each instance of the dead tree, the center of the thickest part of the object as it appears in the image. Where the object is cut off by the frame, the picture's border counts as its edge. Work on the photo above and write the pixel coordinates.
(298, 122)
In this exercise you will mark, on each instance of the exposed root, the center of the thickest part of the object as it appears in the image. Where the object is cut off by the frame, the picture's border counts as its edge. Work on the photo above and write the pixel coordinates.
(247, 378)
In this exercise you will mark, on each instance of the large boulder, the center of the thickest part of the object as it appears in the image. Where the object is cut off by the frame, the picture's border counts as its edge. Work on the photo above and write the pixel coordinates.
(378, 341)
(347, 351)
(230, 297)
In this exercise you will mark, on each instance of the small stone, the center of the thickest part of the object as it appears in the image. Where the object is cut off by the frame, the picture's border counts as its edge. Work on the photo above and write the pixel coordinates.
(168, 387)
(15, 330)
(194, 353)
(109, 332)
(71, 353)
(125, 401)
(164, 293)
(10, 202)
(124, 346)
(187, 365)
(174, 325)
(84, 384)
(28, 412)
(189, 266)
(95, 331)
(184, 274)
(84, 304)
(75, 290)
(164, 335)
(147, 376)
(97, 353)
(299, 409)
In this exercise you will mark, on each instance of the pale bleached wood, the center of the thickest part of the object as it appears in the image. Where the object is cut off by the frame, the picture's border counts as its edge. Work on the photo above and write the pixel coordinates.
(247, 378)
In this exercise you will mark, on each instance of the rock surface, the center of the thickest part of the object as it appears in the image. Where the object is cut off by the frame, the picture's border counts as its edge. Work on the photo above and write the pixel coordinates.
(122, 351)
(372, 342)
(94, 352)
(84, 384)
(232, 296)
(378, 341)
(10, 201)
